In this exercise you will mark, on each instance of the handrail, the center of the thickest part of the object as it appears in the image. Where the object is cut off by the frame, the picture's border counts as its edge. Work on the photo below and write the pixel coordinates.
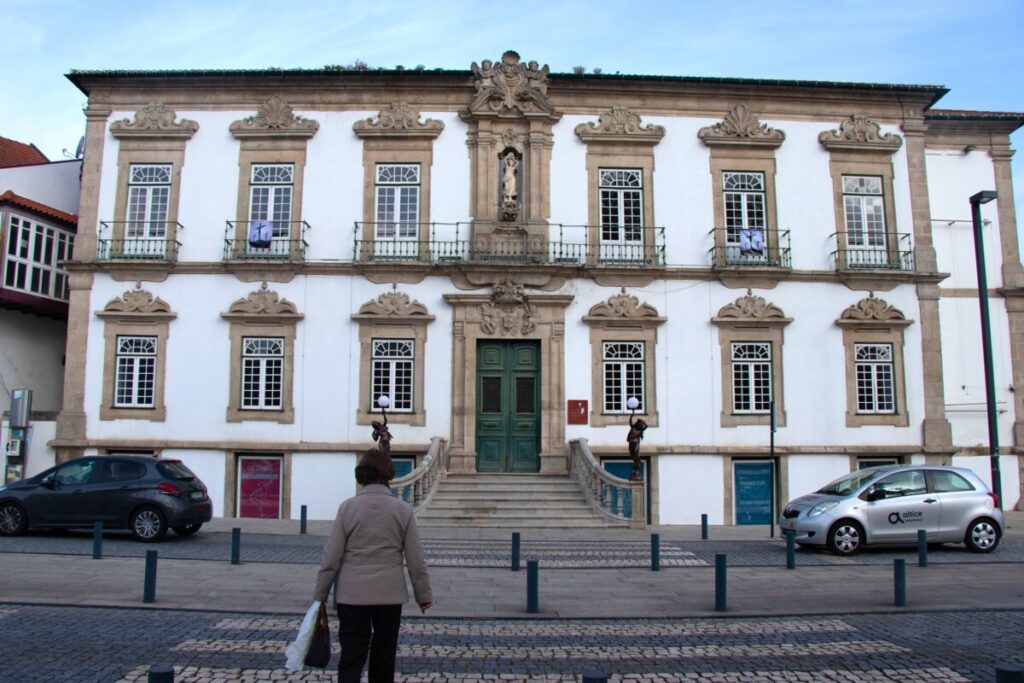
(141, 249)
(775, 251)
(898, 254)
(417, 487)
(617, 500)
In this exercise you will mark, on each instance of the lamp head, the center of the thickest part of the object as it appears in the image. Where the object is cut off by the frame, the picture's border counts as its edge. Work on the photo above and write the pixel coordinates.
(383, 401)
(632, 403)
(984, 197)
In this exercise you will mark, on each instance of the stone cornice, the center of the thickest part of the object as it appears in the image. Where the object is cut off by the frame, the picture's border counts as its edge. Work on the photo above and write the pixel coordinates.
(274, 119)
(621, 125)
(154, 121)
(398, 121)
(859, 134)
(751, 309)
(741, 127)
(872, 312)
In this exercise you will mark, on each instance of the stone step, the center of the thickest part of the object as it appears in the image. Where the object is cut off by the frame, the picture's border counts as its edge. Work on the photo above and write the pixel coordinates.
(514, 523)
(454, 507)
(508, 495)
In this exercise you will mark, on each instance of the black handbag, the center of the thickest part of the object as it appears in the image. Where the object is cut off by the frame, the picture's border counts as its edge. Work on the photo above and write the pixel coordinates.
(319, 653)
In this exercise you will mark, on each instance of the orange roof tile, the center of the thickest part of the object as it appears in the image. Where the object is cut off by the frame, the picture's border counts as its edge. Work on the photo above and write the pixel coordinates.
(14, 153)
(18, 200)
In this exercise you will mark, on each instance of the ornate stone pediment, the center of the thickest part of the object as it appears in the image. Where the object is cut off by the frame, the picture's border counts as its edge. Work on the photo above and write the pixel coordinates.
(751, 308)
(263, 302)
(510, 88)
(274, 118)
(398, 120)
(619, 124)
(860, 133)
(873, 311)
(741, 127)
(393, 305)
(509, 312)
(623, 310)
(154, 121)
(137, 302)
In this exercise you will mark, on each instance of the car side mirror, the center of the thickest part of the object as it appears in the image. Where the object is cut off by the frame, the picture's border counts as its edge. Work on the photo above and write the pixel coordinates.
(48, 482)
(874, 494)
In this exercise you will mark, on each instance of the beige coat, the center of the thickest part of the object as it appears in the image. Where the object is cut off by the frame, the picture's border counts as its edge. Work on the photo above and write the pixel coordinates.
(364, 555)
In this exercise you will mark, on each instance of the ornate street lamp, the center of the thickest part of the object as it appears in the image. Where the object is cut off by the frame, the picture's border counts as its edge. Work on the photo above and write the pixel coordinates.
(636, 434)
(381, 434)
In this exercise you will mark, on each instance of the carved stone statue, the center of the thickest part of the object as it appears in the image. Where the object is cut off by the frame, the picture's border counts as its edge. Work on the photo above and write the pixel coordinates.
(382, 435)
(636, 434)
(509, 178)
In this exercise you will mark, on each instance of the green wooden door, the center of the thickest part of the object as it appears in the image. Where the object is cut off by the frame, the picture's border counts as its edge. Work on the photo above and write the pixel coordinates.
(508, 406)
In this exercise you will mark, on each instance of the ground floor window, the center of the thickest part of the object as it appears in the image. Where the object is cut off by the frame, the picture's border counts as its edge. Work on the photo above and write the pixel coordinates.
(259, 486)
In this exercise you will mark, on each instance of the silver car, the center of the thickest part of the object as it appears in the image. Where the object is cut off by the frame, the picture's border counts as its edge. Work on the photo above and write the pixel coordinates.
(888, 504)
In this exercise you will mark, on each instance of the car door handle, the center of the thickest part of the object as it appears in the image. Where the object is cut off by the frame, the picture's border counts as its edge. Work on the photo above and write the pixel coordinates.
(931, 500)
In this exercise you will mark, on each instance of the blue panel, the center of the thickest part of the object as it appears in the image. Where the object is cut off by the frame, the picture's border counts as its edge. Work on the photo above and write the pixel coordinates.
(752, 492)
(403, 466)
(623, 469)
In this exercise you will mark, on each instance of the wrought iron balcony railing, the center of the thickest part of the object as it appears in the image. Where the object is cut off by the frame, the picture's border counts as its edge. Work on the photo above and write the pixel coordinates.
(287, 242)
(733, 249)
(452, 242)
(138, 241)
(895, 254)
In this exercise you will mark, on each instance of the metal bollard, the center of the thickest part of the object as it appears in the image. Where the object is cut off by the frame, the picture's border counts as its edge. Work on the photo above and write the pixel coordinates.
(236, 546)
(703, 527)
(922, 548)
(594, 677)
(302, 519)
(97, 540)
(532, 587)
(720, 583)
(790, 551)
(515, 551)
(149, 581)
(1008, 673)
(161, 674)
(899, 576)
(655, 552)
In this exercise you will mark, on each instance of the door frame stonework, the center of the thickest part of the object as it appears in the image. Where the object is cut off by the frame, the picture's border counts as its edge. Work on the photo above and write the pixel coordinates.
(508, 315)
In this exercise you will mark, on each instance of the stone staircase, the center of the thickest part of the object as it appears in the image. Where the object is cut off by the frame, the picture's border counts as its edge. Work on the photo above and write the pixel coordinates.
(512, 501)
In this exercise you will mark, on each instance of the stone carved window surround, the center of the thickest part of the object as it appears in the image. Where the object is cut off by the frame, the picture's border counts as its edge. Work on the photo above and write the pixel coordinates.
(261, 314)
(623, 318)
(480, 316)
(231, 459)
(751, 319)
(135, 313)
(392, 315)
(873, 321)
(151, 137)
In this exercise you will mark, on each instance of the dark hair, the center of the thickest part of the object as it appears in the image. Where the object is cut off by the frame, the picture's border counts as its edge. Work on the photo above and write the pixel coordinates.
(375, 467)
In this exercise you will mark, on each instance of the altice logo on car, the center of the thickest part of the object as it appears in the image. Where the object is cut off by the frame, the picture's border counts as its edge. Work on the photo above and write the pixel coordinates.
(904, 517)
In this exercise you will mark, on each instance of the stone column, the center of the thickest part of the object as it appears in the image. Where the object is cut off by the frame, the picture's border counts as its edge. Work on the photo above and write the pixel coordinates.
(1013, 276)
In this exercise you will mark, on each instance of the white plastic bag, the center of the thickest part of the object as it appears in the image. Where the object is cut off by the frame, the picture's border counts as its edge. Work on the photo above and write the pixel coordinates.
(296, 652)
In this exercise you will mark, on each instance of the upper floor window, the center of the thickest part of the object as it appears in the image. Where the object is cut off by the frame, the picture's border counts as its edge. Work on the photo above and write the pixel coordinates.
(393, 367)
(135, 379)
(751, 377)
(874, 367)
(864, 211)
(745, 224)
(397, 201)
(271, 189)
(34, 251)
(623, 369)
(622, 215)
(262, 373)
(149, 195)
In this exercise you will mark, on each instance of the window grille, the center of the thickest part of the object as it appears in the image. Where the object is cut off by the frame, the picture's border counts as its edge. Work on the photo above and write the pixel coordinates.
(622, 212)
(745, 224)
(864, 210)
(34, 251)
(398, 201)
(135, 380)
(875, 370)
(751, 377)
(623, 370)
(262, 373)
(149, 193)
(270, 199)
(392, 373)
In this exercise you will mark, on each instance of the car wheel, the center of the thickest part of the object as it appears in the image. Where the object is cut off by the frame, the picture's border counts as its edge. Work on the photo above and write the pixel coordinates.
(148, 525)
(13, 521)
(188, 529)
(846, 537)
(982, 536)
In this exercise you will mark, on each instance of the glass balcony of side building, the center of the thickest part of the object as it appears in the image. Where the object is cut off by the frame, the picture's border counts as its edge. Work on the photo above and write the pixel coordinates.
(858, 251)
(138, 241)
(265, 240)
(571, 245)
(741, 248)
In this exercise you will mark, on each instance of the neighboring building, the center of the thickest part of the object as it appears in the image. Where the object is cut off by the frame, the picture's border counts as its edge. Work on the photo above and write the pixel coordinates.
(510, 255)
(38, 201)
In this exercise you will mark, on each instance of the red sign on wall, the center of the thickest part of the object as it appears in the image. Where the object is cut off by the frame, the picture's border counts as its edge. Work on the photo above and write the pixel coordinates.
(259, 487)
(577, 412)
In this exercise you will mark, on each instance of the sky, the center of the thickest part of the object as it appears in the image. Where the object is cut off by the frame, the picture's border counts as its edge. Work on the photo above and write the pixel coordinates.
(972, 47)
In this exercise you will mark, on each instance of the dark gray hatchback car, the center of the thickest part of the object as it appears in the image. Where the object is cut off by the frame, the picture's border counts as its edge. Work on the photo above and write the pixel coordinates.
(146, 495)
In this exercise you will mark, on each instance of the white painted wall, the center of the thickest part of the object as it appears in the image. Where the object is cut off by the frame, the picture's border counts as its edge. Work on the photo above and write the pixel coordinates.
(39, 456)
(209, 467)
(808, 473)
(1009, 474)
(32, 357)
(54, 184)
(689, 486)
(321, 482)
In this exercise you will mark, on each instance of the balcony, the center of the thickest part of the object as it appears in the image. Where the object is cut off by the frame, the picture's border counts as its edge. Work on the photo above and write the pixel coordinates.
(138, 241)
(287, 243)
(768, 250)
(893, 252)
(571, 245)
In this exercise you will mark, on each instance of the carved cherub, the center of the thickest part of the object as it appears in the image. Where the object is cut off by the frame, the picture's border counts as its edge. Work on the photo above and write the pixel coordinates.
(636, 434)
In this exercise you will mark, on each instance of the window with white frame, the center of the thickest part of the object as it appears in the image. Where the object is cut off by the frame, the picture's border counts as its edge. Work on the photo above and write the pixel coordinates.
(34, 251)
(135, 379)
(751, 377)
(392, 374)
(149, 196)
(864, 211)
(621, 205)
(262, 373)
(623, 371)
(271, 189)
(398, 201)
(874, 367)
(745, 225)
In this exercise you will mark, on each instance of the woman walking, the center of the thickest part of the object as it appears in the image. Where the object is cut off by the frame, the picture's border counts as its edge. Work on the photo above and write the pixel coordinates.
(363, 558)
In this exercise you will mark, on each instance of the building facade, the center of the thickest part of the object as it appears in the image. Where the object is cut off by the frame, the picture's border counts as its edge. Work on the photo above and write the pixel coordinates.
(510, 255)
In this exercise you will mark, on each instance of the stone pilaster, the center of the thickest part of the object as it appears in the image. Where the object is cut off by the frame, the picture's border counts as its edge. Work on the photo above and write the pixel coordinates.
(924, 247)
(1013, 276)
(936, 433)
(71, 422)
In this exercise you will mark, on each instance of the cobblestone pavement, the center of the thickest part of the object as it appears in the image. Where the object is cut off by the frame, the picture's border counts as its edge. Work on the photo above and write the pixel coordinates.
(553, 554)
(100, 644)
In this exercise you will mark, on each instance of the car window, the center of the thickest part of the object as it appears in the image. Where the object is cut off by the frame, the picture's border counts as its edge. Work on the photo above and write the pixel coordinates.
(907, 483)
(849, 483)
(174, 469)
(120, 470)
(74, 473)
(944, 481)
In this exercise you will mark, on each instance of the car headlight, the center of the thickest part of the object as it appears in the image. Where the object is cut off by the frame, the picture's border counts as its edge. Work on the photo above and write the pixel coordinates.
(821, 508)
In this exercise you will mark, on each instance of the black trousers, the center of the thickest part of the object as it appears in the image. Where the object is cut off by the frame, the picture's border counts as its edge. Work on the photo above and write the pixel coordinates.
(368, 629)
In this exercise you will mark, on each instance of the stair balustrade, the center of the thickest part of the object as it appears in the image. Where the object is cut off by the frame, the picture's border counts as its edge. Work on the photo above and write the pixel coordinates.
(417, 487)
(617, 500)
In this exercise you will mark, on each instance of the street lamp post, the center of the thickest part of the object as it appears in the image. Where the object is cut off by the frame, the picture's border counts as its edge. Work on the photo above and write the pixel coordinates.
(977, 200)
(636, 434)
(381, 433)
